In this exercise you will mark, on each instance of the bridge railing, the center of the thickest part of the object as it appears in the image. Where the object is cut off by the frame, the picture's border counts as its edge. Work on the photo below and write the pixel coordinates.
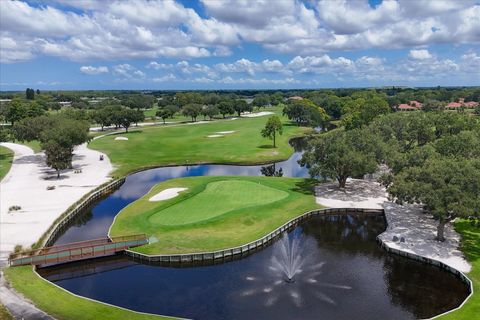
(77, 250)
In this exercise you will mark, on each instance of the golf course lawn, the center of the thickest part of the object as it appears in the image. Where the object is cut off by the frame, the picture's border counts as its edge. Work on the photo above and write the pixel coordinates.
(470, 246)
(6, 157)
(63, 305)
(190, 144)
(214, 212)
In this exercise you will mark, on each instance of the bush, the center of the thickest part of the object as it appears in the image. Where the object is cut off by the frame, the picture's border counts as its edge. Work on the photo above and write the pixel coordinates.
(14, 208)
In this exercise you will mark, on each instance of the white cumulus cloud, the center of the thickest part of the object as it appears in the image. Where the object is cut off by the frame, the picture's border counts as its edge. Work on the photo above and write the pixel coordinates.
(420, 54)
(93, 70)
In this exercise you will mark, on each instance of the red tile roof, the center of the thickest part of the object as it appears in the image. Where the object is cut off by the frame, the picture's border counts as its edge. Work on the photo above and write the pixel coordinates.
(454, 105)
(416, 104)
(471, 104)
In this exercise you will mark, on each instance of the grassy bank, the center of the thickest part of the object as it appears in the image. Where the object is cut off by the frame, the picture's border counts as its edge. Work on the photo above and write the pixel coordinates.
(471, 249)
(214, 212)
(6, 157)
(184, 144)
(4, 314)
(60, 303)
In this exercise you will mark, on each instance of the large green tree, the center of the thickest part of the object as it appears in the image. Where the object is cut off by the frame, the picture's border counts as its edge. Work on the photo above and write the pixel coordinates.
(192, 110)
(209, 111)
(164, 114)
(17, 110)
(58, 136)
(305, 112)
(447, 187)
(30, 94)
(361, 111)
(261, 100)
(272, 127)
(138, 101)
(226, 107)
(339, 155)
(242, 106)
(125, 117)
(104, 115)
(57, 157)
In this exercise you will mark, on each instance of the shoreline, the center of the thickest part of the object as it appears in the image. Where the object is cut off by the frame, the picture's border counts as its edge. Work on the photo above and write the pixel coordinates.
(26, 185)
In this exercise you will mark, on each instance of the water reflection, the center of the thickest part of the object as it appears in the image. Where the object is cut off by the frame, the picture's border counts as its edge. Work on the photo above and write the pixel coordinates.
(98, 222)
(271, 171)
(345, 275)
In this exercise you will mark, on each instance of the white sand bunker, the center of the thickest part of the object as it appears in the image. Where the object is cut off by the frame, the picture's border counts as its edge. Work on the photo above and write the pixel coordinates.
(121, 138)
(215, 135)
(258, 114)
(167, 194)
(225, 132)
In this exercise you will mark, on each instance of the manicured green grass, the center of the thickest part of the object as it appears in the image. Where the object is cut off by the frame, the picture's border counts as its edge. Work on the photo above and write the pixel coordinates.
(216, 199)
(189, 144)
(470, 247)
(35, 145)
(214, 212)
(64, 305)
(150, 112)
(6, 157)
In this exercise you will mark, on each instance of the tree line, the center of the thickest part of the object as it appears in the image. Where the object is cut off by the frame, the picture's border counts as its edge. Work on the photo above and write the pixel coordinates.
(433, 160)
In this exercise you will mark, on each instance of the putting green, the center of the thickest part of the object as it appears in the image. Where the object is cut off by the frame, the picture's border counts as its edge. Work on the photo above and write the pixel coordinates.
(214, 213)
(217, 199)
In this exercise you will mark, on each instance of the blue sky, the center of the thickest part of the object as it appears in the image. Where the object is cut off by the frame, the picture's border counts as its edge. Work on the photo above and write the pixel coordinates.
(237, 44)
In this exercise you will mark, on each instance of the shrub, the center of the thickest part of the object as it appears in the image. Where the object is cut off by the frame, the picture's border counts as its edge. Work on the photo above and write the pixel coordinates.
(14, 208)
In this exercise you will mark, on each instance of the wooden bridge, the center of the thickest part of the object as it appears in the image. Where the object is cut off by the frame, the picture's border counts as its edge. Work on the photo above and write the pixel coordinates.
(77, 250)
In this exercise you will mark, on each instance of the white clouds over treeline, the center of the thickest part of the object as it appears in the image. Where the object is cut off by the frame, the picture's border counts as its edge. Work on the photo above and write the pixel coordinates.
(414, 66)
(130, 29)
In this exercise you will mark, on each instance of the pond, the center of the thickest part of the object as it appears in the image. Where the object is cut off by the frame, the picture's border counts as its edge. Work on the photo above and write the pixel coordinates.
(337, 269)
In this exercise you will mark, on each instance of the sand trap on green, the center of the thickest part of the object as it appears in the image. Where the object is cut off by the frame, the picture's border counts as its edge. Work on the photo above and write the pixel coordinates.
(217, 199)
(214, 213)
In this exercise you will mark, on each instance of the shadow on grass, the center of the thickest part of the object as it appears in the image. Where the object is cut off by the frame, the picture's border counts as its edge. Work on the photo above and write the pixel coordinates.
(470, 244)
(306, 186)
(4, 156)
(291, 124)
(129, 132)
(267, 146)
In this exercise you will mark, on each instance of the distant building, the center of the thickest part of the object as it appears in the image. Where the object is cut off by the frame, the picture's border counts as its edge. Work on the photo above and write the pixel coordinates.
(461, 104)
(406, 107)
(411, 106)
(295, 98)
(416, 104)
(65, 103)
(98, 100)
(5, 100)
(471, 104)
(454, 105)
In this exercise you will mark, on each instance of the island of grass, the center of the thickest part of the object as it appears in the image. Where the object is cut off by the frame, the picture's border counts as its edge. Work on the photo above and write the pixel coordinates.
(195, 143)
(214, 213)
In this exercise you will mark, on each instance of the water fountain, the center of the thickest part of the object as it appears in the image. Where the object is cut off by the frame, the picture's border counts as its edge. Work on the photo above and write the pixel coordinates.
(291, 274)
(288, 258)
